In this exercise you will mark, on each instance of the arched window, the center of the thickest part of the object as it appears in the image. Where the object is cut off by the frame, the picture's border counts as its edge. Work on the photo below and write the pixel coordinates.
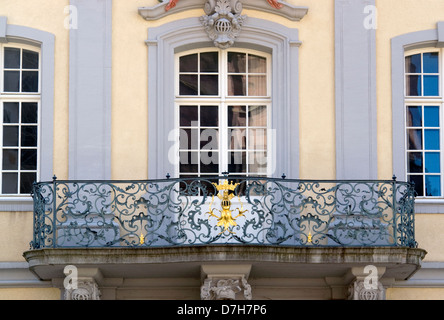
(20, 117)
(253, 87)
(423, 118)
(223, 110)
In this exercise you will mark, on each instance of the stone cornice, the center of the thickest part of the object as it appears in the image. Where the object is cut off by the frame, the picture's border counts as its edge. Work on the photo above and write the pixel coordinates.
(291, 12)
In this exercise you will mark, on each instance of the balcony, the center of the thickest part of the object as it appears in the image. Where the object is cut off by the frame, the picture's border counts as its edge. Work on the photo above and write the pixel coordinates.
(175, 227)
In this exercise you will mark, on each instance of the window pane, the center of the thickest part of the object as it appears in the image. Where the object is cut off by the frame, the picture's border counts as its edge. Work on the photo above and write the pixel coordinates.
(189, 162)
(209, 116)
(209, 62)
(9, 183)
(10, 112)
(209, 162)
(414, 139)
(433, 186)
(188, 114)
(209, 85)
(431, 116)
(432, 162)
(237, 62)
(237, 116)
(257, 139)
(237, 139)
(413, 64)
(30, 60)
(188, 63)
(257, 85)
(431, 85)
(10, 159)
(414, 164)
(257, 116)
(12, 80)
(256, 64)
(29, 136)
(26, 181)
(257, 162)
(189, 139)
(236, 85)
(414, 116)
(431, 138)
(188, 84)
(209, 139)
(419, 184)
(431, 62)
(413, 85)
(237, 162)
(12, 58)
(29, 112)
(10, 136)
(30, 81)
(28, 159)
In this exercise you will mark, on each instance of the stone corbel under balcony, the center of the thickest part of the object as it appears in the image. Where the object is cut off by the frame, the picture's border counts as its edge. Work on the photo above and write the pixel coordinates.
(281, 8)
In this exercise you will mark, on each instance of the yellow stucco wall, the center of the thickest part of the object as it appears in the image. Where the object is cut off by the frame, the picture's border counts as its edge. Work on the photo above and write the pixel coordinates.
(30, 294)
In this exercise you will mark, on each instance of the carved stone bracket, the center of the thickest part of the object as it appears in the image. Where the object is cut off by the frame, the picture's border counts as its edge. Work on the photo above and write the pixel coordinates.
(225, 289)
(359, 290)
(87, 289)
(367, 284)
(225, 282)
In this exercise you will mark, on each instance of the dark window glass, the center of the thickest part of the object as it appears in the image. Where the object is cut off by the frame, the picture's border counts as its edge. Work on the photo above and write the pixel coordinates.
(11, 81)
(12, 58)
(188, 63)
(28, 159)
(9, 183)
(29, 112)
(26, 181)
(10, 112)
(30, 60)
(30, 81)
(209, 62)
(29, 136)
(10, 136)
(10, 159)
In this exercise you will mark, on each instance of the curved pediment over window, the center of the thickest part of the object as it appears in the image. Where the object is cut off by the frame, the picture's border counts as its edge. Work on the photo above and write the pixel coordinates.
(278, 7)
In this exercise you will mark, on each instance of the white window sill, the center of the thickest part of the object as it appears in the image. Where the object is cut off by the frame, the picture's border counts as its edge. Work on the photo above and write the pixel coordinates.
(16, 203)
(423, 205)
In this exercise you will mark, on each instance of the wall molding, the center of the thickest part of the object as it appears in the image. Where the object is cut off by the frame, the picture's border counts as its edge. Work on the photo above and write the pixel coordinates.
(355, 86)
(90, 91)
(286, 10)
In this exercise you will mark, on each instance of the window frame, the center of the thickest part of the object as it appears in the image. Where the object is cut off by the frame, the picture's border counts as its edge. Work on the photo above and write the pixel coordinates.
(223, 100)
(45, 41)
(423, 101)
(20, 97)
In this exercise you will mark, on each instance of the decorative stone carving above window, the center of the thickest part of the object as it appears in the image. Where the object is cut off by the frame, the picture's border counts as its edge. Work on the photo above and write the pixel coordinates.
(223, 21)
(278, 7)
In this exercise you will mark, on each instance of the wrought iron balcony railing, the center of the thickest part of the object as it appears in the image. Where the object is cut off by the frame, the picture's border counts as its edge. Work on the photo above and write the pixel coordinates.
(219, 210)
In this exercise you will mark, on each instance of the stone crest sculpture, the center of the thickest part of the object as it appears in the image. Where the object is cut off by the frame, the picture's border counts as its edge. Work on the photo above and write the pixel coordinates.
(223, 21)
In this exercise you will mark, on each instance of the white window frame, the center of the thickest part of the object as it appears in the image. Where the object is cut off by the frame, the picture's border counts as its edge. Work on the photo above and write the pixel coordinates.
(20, 97)
(223, 101)
(426, 101)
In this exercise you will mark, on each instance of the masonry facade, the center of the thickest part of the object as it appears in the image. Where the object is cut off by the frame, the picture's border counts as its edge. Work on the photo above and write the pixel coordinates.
(118, 92)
